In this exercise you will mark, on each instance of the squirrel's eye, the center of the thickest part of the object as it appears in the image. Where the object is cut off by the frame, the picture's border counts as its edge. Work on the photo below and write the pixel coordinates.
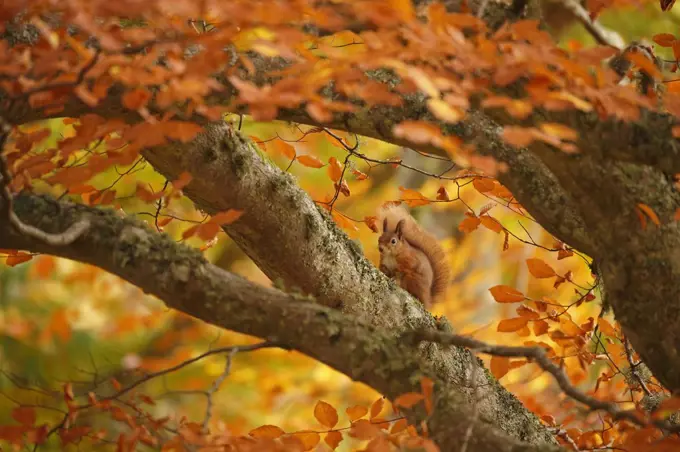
(393, 241)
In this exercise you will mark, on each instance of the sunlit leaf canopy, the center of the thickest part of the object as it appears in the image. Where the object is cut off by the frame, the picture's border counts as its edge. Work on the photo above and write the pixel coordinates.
(146, 73)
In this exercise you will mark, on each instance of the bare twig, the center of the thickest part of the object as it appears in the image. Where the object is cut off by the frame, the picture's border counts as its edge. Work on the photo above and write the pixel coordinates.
(216, 385)
(601, 34)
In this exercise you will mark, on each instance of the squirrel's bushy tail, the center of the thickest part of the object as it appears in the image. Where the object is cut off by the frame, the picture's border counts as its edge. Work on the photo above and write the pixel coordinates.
(419, 238)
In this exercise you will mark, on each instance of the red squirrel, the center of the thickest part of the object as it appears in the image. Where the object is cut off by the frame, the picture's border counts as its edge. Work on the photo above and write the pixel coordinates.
(411, 255)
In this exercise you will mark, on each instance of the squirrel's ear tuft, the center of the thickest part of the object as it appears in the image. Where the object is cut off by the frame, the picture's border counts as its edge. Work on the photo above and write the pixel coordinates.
(385, 225)
(400, 226)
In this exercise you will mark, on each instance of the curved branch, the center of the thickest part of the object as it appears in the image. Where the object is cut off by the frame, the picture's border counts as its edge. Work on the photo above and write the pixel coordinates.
(185, 281)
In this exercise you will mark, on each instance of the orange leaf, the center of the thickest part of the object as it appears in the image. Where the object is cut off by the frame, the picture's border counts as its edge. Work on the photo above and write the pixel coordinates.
(356, 412)
(491, 223)
(518, 136)
(512, 325)
(325, 414)
(136, 99)
(44, 266)
(559, 131)
(310, 161)
(399, 426)
(541, 327)
(413, 198)
(409, 399)
(506, 294)
(499, 366)
(182, 180)
(445, 112)
(345, 223)
(18, 258)
(284, 148)
(664, 39)
(650, 213)
(24, 415)
(334, 169)
(540, 269)
(363, 429)
(377, 407)
(333, 439)
(227, 217)
(309, 439)
(469, 224)
(606, 327)
(483, 185)
(267, 431)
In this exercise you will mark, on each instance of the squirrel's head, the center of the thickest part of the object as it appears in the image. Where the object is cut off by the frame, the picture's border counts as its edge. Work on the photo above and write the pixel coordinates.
(390, 241)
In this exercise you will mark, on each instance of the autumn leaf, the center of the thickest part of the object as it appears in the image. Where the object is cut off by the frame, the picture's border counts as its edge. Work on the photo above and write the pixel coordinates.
(363, 429)
(284, 148)
(24, 415)
(325, 414)
(309, 439)
(469, 224)
(650, 213)
(310, 161)
(483, 185)
(491, 223)
(356, 412)
(512, 325)
(539, 269)
(267, 431)
(18, 258)
(226, 217)
(506, 294)
(334, 169)
(499, 366)
(442, 194)
(409, 399)
(333, 439)
(377, 407)
(413, 198)
(182, 181)
(606, 327)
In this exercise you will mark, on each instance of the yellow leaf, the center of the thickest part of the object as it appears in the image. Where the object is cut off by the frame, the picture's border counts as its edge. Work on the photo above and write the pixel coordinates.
(334, 169)
(512, 325)
(267, 431)
(540, 269)
(325, 414)
(499, 366)
(444, 112)
(559, 130)
(506, 294)
(310, 161)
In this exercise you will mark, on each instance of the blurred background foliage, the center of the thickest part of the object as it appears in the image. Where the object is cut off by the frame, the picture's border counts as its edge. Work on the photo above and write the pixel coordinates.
(62, 321)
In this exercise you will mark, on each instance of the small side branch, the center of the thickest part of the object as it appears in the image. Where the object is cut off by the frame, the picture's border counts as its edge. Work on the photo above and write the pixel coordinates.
(7, 213)
(540, 357)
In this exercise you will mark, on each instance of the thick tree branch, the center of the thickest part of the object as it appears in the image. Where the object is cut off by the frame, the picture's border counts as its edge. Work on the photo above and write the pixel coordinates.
(183, 279)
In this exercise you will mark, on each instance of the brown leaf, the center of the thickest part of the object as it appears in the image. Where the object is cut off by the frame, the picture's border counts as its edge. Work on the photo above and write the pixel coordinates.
(506, 294)
(442, 194)
(325, 414)
(483, 185)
